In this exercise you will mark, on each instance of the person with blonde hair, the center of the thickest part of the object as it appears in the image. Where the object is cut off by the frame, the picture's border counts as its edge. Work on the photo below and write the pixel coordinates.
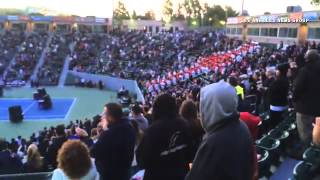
(34, 161)
(74, 162)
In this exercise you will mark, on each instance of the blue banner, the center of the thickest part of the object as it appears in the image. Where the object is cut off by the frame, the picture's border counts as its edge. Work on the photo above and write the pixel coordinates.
(312, 16)
(13, 18)
(41, 18)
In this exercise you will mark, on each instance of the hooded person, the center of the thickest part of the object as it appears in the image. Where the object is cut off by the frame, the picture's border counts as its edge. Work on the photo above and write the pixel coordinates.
(226, 151)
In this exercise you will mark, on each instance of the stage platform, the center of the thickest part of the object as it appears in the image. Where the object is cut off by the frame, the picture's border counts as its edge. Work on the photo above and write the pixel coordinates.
(60, 108)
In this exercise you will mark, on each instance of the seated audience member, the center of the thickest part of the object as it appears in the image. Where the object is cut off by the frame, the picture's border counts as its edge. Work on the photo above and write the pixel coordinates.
(74, 162)
(166, 147)
(226, 151)
(56, 144)
(9, 163)
(189, 113)
(34, 161)
(113, 152)
(137, 115)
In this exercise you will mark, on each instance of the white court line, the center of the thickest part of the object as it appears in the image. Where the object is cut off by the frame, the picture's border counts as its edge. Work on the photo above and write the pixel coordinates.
(68, 113)
(28, 107)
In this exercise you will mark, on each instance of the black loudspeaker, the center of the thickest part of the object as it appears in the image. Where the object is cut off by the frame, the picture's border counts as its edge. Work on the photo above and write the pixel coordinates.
(42, 92)
(15, 114)
(45, 103)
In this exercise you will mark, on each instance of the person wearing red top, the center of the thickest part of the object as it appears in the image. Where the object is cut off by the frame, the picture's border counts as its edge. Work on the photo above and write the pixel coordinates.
(252, 123)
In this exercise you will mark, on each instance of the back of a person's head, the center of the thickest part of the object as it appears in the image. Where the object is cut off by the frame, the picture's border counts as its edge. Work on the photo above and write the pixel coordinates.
(312, 55)
(164, 107)
(33, 156)
(74, 160)
(60, 130)
(114, 110)
(233, 81)
(188, 110)
(3, 144)
(136, 109)
(218, 101)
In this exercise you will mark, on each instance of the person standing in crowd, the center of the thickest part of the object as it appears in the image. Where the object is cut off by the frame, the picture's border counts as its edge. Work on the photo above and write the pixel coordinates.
(188, 111)
(306, 95)
(57, 142)
(114, 150)
(278, 95)
(166, 147)
(74, 162)
(226, 151)
(137, 115)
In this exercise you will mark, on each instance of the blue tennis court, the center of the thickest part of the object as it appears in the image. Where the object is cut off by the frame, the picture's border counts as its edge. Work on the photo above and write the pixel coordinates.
(60, 108)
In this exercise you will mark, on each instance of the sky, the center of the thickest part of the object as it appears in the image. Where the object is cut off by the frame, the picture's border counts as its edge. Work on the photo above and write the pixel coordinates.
(103, 8)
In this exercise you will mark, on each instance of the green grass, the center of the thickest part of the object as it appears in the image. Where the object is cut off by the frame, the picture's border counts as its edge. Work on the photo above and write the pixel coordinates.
(88, 104)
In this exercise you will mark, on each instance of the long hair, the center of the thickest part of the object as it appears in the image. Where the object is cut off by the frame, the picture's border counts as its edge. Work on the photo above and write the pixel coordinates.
(33, 157)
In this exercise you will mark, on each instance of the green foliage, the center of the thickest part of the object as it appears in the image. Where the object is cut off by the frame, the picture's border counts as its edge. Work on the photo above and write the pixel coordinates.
(315, 2)
(168, 10)
(121, 12)
(213, 16)
(178, 16)
(134, 15)
(5, 11)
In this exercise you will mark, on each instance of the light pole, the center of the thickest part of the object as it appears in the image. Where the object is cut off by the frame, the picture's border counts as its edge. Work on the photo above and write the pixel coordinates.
(242, 7)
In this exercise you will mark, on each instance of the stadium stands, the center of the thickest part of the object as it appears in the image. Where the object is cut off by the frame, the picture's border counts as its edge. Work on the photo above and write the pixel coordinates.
(179, 64)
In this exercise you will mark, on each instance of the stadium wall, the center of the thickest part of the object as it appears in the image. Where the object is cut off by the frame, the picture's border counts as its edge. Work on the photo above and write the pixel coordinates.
(112, 83)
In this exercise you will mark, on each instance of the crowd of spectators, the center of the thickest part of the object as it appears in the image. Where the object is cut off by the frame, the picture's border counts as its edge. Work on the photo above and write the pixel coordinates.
(58, 50)
(27, 57)
(189, 126)
(9, 42)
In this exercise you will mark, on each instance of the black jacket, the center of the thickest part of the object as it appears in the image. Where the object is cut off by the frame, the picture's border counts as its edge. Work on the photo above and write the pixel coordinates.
(165, 150)
(278, 92)
(226, 153)
(53, 150)
(306, 94)
(9, 164)
(114, 150)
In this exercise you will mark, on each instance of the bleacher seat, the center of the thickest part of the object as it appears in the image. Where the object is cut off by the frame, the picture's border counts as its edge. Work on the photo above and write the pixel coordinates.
(302, 171)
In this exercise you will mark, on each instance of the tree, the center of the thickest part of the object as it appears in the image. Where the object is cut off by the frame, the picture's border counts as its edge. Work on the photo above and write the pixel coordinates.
(35, 14)
(230, 12)
(121, 13)
(134, 15)
(168, 10)
(315, 2)
(187, 8)
(214, 15)
(193, 10)
(178, 16)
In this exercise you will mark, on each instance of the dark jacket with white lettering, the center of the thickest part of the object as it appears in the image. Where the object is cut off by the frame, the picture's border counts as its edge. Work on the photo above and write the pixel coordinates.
(165, 150)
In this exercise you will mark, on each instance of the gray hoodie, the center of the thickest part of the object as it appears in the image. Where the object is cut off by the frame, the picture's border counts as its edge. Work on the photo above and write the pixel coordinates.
(218, 101)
